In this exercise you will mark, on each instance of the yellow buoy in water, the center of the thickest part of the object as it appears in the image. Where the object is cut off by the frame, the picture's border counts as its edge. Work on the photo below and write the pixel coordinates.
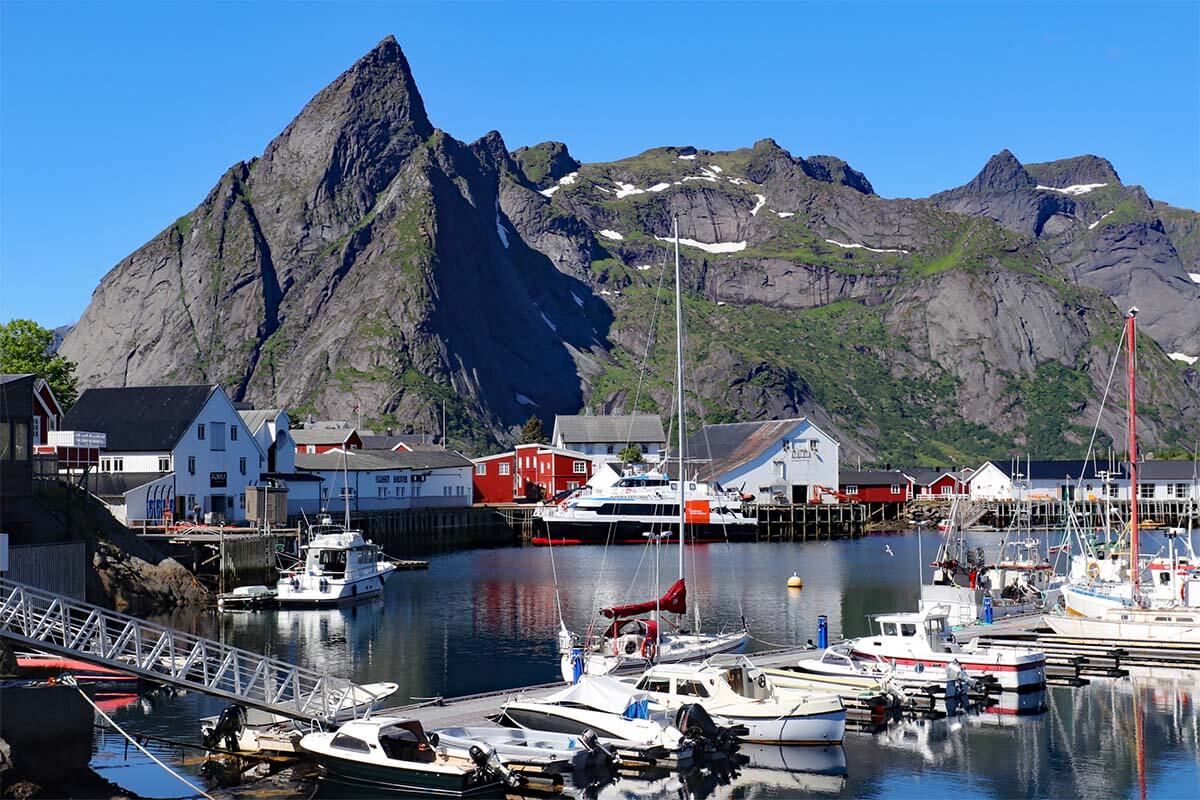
(795, 582)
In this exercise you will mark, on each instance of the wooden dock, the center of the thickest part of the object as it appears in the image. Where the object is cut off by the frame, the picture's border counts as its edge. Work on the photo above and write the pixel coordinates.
(804, 521)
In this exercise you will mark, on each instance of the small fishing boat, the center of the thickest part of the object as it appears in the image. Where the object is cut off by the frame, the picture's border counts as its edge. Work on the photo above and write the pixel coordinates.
(338, 566)
(839, 666)
(735, 692)
(1180, 624)
(515, 747)
(924, 640)
(46, 665)
(608, 708)
(245, 598)
(393, 753)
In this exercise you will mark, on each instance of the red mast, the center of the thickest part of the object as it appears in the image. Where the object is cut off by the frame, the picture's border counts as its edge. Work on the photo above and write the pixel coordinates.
(1130, 332)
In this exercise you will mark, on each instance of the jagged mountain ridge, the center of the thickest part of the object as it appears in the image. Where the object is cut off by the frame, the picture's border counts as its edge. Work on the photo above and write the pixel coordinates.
(369, 259)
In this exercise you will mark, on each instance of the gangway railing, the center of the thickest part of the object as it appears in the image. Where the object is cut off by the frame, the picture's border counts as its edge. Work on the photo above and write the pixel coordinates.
(82, 631)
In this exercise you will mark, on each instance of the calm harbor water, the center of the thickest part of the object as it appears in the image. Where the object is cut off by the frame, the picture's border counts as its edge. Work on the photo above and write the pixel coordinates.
(485, 619)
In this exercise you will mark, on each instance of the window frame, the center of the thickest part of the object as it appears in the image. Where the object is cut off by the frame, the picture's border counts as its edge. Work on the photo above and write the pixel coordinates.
(200, 433)
(481, 468)
(579, 467)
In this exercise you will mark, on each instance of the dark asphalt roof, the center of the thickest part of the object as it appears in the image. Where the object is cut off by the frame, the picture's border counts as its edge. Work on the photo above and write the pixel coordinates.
(1166, 470)
(871, 477)
(113, 484)
(923, 476)
(726, 447)
(1059, 470)
(138, 417)
(612, 429)
(376, 460)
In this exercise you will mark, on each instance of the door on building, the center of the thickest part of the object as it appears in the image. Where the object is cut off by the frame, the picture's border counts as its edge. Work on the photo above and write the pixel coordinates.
(799, 493)
(1066, 492)
(217, 503)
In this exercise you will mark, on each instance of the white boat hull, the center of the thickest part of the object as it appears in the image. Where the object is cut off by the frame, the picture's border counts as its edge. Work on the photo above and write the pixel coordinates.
(810, 729)
(1128, 630)
(1095, 602)
(308, 590)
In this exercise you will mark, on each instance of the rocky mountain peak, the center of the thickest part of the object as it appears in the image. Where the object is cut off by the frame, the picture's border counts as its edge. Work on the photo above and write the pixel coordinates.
(832, 169)
(1078, 171)
(1001, 174)
(543, 164)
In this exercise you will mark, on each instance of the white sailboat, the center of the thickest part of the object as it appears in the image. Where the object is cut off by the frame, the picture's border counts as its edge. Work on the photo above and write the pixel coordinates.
(1106, 597)
(631, 642)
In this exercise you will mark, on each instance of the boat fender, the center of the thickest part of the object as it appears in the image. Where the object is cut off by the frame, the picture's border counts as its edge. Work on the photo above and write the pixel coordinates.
(648, 648)
(630, 647)
(762, 681)
(1093, 570)
(434, 738)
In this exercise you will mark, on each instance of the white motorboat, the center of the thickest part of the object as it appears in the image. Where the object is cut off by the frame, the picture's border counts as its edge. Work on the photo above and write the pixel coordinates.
(735, 692)
(338, 566)
(1133, 625)
(839, 666)
(924, 640)
(623, 512)
(613, 711)
(393, 753)
(515, 746)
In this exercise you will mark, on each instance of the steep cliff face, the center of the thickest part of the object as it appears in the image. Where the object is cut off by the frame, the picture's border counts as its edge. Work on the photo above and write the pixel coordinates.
(368, 259)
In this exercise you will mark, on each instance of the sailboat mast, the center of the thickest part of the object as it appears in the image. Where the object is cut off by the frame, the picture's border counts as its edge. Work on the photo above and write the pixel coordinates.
(1131, 327)
(679, 392)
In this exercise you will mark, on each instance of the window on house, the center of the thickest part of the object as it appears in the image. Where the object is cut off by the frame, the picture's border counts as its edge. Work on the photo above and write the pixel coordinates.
(1112, 490)
(947, 490)
(242, 501)
(105, 464)
(6, 442)
(481, 469)
(852, 489)
(233, 433)
(572, 484)
(504, 470)
(580, 467)
(242, 465)
(610, 450)
(895, 488)
(777, 468)
(118, 465)
(164, 463)
(1146, 491)
(37, 430)
(403, 490)
(217, 440)
(200, 431)
(1181, 490)
(382, 491)
(191, 465)
(645, 449)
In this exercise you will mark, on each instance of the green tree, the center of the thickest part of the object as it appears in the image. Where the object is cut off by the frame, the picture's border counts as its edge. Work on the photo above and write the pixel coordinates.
(25, 347)
(532, 432)
(632, 455)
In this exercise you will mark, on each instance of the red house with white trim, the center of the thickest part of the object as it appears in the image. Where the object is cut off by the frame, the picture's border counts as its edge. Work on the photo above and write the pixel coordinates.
(939, 484)
(529, 473)
(47, 413)
(876, 486)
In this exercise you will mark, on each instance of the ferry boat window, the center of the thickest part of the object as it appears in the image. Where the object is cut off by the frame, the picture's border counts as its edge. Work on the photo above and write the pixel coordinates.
(1164, 578)
(908, 629)
(936, 625)
(346, 742)
(691, 688)
(889, 628)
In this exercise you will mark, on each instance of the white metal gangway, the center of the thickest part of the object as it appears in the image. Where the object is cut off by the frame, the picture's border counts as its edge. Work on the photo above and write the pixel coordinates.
(61, 625)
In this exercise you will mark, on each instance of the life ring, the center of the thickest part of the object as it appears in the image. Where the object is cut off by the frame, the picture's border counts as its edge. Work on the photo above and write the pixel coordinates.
(1093, 570)
(648, 648)
(630, 647)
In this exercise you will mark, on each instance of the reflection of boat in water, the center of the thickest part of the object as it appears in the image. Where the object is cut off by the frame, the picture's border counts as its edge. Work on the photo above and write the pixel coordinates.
(792, 769)
(1009, 708)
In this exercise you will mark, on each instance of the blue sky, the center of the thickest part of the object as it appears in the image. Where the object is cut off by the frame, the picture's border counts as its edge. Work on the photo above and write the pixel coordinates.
(115, 119)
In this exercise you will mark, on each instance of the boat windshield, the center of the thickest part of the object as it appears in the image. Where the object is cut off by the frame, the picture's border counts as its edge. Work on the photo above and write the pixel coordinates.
(935, 625)
(406, 742)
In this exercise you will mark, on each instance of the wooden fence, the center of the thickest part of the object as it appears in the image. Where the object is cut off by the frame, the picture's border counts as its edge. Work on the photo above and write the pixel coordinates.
(60, 568)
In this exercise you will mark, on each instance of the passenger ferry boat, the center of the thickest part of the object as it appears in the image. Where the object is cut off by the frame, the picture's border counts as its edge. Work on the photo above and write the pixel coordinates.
(338, 565)
(639, 504)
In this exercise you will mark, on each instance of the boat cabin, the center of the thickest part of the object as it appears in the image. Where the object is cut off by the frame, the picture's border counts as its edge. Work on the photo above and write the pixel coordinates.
(928, 630)
(333, 555)
(399, 739)
(707, 681)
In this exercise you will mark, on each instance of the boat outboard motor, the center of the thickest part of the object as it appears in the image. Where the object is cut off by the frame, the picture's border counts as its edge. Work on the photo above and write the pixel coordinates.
(696, 724)
(231, 723)
(488, 763)
(591, 742)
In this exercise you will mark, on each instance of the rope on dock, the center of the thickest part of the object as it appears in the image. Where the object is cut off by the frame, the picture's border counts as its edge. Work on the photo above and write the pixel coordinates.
(69, 680)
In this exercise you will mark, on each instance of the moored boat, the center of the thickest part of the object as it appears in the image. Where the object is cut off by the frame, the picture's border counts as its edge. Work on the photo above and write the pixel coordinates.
(924, 640)
(735, 692)
(338, 566)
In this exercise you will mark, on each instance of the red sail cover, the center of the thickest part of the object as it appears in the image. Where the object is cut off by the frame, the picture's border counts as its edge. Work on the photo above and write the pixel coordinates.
(674, 601)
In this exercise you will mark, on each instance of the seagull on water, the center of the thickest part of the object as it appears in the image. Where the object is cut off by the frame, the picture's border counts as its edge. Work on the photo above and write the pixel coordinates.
(888, 549)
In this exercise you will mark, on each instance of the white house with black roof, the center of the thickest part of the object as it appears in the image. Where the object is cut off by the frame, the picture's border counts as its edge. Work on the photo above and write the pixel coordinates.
(777, 461)
(170, 448)
(381, 480)
(604, 437)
